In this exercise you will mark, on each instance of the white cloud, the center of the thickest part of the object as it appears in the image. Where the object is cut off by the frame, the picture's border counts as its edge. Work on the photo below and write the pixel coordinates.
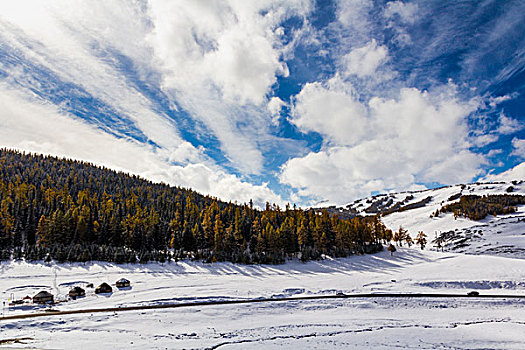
(494, 101)
(232, 45)
(365, 60)
(34, 126)
(275, 105)
(52, 35)
(518, 148)
(332, 110)
(484, 139)
(418, 137)
(399, 15)
(353, 15)
(407, 12)
(515, 173)
(219, 61)
(484, 136)
(508, 125)
(494, 152)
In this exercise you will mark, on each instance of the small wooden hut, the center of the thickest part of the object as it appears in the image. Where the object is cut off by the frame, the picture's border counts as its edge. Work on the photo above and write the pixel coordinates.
(103, 288)
(77, 292)
(123, 283)
(43, 297)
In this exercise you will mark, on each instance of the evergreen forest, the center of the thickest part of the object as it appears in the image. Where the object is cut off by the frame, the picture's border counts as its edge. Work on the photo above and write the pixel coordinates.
(67, 210)
(476, 207)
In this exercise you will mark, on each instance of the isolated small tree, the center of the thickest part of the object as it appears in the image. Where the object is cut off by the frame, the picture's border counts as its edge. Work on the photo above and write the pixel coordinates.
(438, 243)
(409, 240)
(391, 248)
(421, 239)
(400, 236)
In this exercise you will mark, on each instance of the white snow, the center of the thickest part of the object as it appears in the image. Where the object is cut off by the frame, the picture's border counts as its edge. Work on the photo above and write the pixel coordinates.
(502, 235)
(335, 323)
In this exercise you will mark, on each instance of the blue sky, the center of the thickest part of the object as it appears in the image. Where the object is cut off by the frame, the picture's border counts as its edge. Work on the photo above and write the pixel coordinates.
(282, 101)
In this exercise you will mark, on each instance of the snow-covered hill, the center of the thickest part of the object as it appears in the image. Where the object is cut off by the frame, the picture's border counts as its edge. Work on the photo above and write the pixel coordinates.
(502, 235)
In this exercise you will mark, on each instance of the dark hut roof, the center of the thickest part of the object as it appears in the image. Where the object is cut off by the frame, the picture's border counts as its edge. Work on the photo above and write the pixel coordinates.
(123, 280)
(77, 289)
(104, 287)
(43, 294)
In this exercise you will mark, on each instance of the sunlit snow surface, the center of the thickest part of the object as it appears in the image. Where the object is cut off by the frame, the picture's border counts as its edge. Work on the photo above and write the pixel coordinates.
(502, 235)
(335, 323)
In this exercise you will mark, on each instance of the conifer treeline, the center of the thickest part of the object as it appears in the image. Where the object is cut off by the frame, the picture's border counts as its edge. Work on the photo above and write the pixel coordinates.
(74, 211)
(478, 207)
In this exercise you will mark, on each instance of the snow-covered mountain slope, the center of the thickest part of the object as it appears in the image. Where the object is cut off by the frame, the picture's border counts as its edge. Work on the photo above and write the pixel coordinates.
(501, 235)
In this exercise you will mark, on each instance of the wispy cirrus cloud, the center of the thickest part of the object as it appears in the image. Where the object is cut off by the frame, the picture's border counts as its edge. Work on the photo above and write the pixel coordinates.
(518, 148)
(300, 99)
(216, 61)
(54, 41)
(32, 125)
(102, 55)
(220, 60)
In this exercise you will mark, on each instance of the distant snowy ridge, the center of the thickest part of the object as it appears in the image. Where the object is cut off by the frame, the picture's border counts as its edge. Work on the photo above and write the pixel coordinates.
(501, 235)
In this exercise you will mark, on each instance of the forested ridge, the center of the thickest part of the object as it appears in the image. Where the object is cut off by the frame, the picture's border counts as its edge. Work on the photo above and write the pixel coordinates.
(68, 210)
(478, 207)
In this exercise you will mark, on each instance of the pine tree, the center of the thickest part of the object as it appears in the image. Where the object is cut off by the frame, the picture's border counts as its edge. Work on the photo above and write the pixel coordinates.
(421, 239)
(391, 248)
(42, 231)
(219, 234)
(409, 240)
(400, 236)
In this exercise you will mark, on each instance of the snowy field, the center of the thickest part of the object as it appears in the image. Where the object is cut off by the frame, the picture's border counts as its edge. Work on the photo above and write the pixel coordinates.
(466, 323)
